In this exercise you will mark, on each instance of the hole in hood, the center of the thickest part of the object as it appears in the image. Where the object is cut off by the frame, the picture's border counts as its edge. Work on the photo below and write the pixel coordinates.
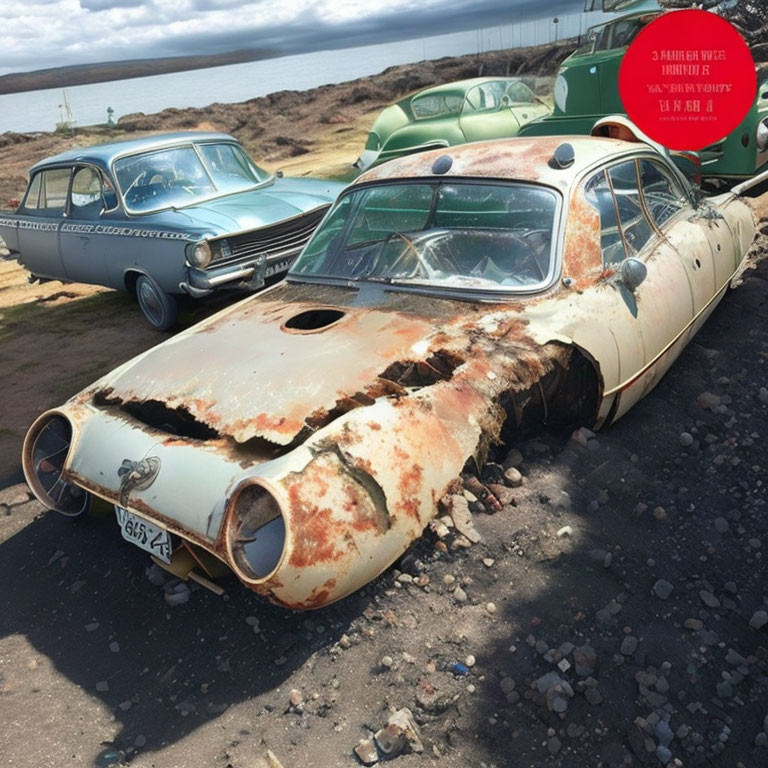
(312, 320)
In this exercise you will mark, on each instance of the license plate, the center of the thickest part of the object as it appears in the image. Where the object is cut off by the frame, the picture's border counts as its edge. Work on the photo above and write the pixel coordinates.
(142, 533)
(277, 266)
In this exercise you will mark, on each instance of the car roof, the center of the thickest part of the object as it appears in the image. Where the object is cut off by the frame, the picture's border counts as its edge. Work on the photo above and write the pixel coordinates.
(521, 159)
(459, 86)
(103, 154)
(637, 14)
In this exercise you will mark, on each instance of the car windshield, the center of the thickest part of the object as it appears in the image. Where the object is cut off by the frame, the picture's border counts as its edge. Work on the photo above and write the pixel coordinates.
(181, 176)
(473, 235)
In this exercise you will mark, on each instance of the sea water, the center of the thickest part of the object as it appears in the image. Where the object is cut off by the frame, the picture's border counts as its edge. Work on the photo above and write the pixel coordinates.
(41, 110)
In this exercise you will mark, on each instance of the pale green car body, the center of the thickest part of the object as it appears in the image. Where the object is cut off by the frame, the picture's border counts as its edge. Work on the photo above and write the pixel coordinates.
(453, 113)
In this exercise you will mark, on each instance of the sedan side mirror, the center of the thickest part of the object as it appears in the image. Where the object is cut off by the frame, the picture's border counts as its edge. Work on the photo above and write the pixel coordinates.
(632, 272)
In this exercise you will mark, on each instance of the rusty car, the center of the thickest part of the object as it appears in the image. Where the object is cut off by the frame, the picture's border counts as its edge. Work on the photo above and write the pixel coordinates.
(304, 436)
(182, 214)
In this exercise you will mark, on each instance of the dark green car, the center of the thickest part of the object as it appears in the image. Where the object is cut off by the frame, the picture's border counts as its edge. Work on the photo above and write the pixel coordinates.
(453, 113)
(586, 90)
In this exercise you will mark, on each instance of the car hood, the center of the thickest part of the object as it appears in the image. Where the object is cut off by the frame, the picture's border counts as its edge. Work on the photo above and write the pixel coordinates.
(245, 374)
(283, 199)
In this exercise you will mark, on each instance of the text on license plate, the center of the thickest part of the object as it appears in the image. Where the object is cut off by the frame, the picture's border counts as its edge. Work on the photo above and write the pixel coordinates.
(144, 534)
(277, 266)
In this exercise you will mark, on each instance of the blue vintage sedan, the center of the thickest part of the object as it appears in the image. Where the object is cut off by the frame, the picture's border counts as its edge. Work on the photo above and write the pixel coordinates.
(183, 213)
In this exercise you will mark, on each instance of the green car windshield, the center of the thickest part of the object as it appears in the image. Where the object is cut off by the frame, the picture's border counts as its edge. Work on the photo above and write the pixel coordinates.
(180, 176)
(456, 235)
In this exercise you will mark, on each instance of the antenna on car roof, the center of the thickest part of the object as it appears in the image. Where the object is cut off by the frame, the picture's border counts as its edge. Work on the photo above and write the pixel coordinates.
(564, 157)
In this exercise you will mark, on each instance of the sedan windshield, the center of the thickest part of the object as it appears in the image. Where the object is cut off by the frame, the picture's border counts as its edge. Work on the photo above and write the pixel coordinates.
(473, 235)
(184, 175)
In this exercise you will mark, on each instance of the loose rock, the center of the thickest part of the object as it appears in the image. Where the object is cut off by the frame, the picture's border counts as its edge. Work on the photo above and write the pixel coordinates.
(759, 620)
(513, 477)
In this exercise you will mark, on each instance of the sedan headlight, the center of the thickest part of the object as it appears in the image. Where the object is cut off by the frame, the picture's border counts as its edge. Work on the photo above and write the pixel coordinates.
(45, 454)
(200, 254)
(762, 136)
(255, 531)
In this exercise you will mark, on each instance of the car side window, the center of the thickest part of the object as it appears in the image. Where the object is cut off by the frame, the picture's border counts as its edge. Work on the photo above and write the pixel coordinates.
(52, 199)
(663, 195)
(87, 195)
(31, 199)
(519, 93)
(486, 97)
(634, 224)
(598, 194)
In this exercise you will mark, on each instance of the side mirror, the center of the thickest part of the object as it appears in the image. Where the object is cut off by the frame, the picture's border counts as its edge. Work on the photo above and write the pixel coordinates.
(696, 194)
(279, 174)
(632, 272)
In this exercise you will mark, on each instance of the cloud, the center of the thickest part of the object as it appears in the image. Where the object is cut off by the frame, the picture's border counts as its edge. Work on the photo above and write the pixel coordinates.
(108, 5)
(51, 33)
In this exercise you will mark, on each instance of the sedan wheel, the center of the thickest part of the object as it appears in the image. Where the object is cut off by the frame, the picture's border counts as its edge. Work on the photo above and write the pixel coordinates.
(158, 307)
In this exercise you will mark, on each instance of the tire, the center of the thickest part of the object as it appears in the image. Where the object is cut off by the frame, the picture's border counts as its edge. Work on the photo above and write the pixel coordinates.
(158, 307)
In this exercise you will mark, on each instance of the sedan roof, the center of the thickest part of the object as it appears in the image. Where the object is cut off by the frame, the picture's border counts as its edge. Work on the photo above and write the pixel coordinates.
(460, 86)
(522, 159)
(103, 154)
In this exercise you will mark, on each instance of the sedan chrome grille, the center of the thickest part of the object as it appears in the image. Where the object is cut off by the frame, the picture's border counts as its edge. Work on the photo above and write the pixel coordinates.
(279, 241)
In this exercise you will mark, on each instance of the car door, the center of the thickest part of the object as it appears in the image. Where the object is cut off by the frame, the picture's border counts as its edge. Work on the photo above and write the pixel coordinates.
(696, 239)
(83, 249)
(40, 217)
(485, 114)
(630, 331)
(664, 303)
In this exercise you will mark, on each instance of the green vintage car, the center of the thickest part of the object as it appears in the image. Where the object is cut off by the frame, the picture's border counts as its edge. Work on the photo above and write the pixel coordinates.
(452, 113)
(586, 90)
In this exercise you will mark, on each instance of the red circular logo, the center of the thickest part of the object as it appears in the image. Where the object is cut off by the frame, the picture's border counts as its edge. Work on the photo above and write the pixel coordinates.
(688, 79)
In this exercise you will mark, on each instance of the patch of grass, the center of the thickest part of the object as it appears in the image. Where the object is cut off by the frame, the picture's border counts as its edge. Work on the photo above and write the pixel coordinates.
(72, 317)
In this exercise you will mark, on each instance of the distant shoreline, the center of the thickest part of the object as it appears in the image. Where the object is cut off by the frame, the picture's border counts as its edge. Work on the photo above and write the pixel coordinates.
(86, 74)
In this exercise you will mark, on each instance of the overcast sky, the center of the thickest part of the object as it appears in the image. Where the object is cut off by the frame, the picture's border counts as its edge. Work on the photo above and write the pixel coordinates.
(51, 33)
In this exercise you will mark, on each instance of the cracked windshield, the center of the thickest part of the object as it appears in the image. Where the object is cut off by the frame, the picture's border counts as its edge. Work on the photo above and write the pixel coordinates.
(475, 235)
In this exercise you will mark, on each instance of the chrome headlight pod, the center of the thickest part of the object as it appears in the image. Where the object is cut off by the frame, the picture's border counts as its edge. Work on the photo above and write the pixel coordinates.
(762, 135)
(199, 254)
(44, 457)
(255, 530)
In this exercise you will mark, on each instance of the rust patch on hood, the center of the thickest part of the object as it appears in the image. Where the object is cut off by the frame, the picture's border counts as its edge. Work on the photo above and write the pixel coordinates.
(249, 378)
